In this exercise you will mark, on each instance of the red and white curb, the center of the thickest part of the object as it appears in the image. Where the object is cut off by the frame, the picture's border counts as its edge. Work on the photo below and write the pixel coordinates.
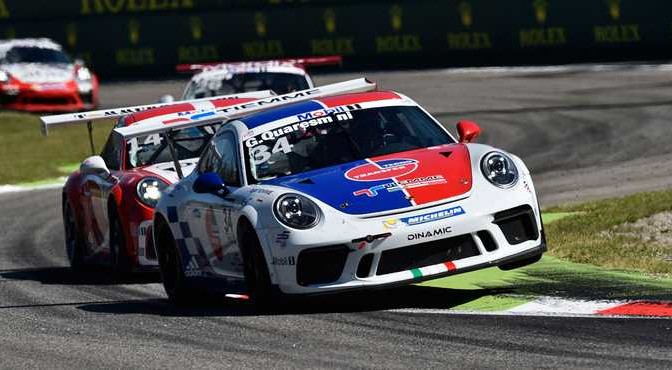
(561, 307)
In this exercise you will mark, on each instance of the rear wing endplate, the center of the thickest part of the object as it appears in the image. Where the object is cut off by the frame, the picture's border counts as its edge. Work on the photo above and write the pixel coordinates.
(177, 121)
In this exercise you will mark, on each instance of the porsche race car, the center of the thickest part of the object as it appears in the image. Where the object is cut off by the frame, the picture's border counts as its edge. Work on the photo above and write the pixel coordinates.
(351, 191)
(109, 202)
(280, 76)
(36, 75)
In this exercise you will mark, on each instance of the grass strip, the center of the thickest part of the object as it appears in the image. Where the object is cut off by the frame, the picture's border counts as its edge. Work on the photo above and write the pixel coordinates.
(27, 156)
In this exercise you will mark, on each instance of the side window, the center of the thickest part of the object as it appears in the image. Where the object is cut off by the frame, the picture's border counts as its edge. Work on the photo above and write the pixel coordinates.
(209, 160)
(112, 152)
(228, 168)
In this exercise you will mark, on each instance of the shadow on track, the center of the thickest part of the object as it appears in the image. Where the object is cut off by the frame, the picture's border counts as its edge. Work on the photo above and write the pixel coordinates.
(65, 276)
(404, 297)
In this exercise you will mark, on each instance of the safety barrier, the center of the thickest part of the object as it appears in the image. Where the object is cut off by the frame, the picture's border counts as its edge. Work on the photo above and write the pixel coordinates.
(149, 37)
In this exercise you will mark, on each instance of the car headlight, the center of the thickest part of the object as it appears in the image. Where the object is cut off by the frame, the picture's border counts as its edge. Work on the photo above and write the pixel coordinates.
(499, 169)
(296, 211)
(4, 77)
(83, 74)
(149, 190)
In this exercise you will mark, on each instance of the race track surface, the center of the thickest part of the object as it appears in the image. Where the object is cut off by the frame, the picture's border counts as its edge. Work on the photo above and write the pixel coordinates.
(585, 134)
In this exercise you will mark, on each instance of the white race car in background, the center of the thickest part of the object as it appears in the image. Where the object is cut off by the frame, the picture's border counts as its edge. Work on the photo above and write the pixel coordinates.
(280, 76)
(343, 192)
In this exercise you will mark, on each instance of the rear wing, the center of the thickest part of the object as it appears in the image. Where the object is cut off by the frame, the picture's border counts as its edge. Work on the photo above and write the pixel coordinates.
(295, 62)
(177, 121)
(96, 115)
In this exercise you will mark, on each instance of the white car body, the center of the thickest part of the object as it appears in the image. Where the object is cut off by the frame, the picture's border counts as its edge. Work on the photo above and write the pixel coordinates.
(210, 80)
(205, 225)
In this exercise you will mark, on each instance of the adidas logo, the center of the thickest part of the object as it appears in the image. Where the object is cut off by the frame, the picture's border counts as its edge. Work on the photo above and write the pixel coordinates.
(193, 269)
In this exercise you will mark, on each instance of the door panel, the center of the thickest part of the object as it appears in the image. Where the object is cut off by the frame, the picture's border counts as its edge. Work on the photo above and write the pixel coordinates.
(211, 217)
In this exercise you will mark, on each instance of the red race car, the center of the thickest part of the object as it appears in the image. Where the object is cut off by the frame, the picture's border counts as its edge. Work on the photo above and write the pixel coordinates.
(108, 204)
(37, 76)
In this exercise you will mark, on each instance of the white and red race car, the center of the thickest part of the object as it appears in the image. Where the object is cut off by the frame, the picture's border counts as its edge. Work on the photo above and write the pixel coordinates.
(280, 76)
(37, 76)
(334, 193)
(108, 204)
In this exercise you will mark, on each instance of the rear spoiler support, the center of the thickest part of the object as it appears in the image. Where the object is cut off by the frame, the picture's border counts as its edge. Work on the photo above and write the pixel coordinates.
(89, 127)
(173, 154)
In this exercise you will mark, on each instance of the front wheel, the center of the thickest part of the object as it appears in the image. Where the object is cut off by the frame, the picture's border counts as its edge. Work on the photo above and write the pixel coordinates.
(118, 255)
(170, 265)
(257, 278)
(74, 247)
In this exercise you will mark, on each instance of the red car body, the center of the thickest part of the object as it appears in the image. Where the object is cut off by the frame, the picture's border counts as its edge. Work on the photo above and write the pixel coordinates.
(37, 76)
(95, 200)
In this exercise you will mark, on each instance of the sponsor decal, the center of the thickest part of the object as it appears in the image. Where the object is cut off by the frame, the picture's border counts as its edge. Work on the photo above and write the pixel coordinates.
(277, 133)
(175, 120)
(212, 229)
(193, 269)
(284, 261)
(430, 234)
(382, 170)
(261, 191)
(50, 86)
(361, 243)
(433, 216)
(281, 239)
(400, 185)
(391, 223)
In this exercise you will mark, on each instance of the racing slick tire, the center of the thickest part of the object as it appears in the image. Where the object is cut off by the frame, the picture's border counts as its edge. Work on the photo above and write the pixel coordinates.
(170, 265)
(119, 259)
(257, 277)
(74, 247)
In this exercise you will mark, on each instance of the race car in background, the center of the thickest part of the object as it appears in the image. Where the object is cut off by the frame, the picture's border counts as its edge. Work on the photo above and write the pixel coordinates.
(108, 203)
(350, 191)
(280, 76)
(36, 75)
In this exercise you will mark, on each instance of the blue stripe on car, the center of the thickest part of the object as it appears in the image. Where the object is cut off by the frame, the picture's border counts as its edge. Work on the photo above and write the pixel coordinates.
(262, 118)
(332, 187)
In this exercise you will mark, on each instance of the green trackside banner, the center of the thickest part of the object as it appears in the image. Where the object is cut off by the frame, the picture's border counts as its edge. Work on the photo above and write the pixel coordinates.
(149, 37)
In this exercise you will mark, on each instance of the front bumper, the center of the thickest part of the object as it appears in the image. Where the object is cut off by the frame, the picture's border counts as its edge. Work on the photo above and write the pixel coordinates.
(146, 252)
(65, 97)
(487, 233)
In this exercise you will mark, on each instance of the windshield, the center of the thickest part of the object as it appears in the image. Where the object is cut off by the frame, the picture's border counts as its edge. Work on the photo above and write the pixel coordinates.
(35, 55)
(315, 141)
(280, 83)
(153, 149)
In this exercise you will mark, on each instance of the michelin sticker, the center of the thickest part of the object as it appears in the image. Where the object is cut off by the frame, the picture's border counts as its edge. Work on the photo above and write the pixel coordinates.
(424, 218)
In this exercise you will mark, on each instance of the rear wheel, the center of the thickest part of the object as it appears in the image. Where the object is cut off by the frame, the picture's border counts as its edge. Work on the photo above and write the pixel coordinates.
(170, 265)
(119, 259)
(257, 278)
(74, 247)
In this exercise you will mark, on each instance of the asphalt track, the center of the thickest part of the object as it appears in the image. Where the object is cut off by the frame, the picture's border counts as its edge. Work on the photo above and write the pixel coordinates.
(586, 133)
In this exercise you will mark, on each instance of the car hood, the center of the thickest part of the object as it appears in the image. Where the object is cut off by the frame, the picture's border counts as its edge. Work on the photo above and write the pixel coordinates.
(40, 73)
(390, 182)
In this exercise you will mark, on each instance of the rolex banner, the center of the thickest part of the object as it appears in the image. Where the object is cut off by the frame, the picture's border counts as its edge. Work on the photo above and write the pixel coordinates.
(143, 37)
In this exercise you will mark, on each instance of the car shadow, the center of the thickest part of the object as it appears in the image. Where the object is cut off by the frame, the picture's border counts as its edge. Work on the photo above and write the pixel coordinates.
(408, 297)
(66, 276)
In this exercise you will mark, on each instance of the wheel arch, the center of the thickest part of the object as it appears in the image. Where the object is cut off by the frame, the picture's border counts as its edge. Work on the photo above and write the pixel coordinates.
(246, 222)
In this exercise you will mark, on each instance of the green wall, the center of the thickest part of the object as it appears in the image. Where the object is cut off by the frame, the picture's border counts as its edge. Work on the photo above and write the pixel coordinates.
(139, 37)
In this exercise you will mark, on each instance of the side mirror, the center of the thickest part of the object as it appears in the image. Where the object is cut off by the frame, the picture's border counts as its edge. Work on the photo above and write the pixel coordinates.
(210, 183)
(94, 165)
(468, 131)
(165, 99)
